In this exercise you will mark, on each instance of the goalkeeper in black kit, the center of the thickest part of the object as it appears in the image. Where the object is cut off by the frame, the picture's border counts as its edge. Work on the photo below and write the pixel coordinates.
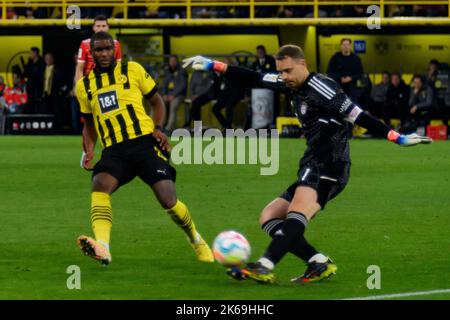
(327, 115)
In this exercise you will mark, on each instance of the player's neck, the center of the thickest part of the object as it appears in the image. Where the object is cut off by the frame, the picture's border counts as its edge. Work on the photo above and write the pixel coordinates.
(106, 69)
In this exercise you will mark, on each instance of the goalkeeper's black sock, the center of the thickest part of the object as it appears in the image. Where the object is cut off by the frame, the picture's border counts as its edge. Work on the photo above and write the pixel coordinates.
(290, 232)
(301, 248)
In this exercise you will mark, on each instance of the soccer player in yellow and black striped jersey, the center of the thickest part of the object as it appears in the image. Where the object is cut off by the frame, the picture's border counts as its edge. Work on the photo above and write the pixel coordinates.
(110, 98)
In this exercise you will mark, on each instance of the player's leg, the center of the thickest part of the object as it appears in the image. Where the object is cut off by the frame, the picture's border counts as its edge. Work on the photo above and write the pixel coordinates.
(110, 172)
(154, 169)
(164, 191)
(103, 185)
(272, 219)
(302, 208)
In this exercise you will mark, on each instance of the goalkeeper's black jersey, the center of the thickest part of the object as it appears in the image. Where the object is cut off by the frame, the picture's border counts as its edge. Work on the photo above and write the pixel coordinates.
(326, 113)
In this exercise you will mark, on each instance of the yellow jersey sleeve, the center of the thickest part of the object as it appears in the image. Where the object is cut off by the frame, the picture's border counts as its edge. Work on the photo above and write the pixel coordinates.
(80, 92)
(145, 81)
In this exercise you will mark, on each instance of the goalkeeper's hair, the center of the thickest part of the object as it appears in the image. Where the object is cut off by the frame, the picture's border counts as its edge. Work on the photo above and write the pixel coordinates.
(101, 36)
(290, 51)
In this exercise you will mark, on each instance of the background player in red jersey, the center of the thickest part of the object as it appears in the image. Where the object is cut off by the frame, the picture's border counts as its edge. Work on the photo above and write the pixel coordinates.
(85, 61)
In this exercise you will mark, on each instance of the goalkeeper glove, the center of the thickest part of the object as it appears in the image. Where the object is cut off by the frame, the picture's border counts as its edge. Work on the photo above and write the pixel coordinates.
(204, 64)
(407, 140)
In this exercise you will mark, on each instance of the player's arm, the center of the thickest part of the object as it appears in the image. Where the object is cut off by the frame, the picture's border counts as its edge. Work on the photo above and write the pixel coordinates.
(150, 91)
(243, 75)
(89, 133)
(81, 62)
(158, 116)
(79, 70)
(354, 114)
(89, 136)
(118, 53)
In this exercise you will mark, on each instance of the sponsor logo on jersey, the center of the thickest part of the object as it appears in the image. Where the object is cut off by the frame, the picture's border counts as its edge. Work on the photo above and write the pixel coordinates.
(303, 108)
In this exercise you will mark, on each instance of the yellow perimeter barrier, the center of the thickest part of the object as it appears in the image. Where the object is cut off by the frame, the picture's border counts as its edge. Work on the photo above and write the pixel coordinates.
(61, 6)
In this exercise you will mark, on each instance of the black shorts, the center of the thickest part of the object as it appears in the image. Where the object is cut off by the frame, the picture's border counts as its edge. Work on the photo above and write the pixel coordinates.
(328, 183)
(137, 157)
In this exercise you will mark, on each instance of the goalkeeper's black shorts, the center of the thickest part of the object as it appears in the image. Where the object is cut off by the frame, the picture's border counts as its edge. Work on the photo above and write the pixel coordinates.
(327, 179)
(139, 157)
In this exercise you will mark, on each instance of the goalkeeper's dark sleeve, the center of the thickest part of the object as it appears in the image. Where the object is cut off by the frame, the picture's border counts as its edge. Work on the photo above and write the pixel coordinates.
(255, 79)
(371, 123)
(243, 75)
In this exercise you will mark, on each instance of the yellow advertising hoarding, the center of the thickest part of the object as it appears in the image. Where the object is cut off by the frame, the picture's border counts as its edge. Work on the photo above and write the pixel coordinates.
(404, 53)
(12, 49)
(190, 45)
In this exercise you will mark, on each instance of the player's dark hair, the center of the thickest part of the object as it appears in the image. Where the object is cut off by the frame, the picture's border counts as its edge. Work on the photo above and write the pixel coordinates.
(101, 36)
(35, 50)
(290, 51)
(346, 39)
(100, 17)
(387, 72)
(396, 74)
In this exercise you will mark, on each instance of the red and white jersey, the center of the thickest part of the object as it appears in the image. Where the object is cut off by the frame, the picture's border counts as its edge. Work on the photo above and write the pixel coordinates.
(84, 54)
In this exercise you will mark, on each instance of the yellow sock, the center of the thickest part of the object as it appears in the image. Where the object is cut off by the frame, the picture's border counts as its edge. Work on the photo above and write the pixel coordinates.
(101, 216)
(181, 216)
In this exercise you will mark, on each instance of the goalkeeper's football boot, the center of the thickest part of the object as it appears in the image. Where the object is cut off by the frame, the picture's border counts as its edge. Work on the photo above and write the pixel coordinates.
(94, 249)
(255, 271)
(202, 250)
(317, 271)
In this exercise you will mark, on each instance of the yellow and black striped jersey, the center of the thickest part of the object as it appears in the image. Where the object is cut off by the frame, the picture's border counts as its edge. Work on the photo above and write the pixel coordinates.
(114, 99)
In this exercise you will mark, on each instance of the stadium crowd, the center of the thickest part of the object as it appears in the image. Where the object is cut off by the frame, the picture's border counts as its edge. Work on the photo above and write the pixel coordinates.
(282, 11)
(41, 87)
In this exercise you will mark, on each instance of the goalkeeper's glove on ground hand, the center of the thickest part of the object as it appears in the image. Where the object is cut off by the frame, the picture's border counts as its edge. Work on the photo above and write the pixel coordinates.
(204, 64)
(407, 140)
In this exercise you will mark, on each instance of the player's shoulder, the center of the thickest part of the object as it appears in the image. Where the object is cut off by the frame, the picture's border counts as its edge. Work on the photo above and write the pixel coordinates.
(86, 43)
(134, 66)
(79, 86)
(323, 85)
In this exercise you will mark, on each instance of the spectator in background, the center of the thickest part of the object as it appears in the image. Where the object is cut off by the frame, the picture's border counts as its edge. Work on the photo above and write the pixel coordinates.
(378, 97)
(174, 90)
(72, 100)
(420, 100)
(15, 97)
(2, 86)
(346, 68)
(263, 63)
(397, 99)
(231, 92)
(266, 64)
(34, 72)
(432, 72)
(203, 87)
(53, 90)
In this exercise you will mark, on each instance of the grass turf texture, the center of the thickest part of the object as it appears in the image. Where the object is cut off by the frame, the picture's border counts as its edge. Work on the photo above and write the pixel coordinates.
(393, 213)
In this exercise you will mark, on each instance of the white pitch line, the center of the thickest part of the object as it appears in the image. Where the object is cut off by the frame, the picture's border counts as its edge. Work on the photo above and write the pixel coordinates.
(401, 295)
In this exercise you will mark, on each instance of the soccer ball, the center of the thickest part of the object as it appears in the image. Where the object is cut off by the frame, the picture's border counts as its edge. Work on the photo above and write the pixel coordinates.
(231, 249)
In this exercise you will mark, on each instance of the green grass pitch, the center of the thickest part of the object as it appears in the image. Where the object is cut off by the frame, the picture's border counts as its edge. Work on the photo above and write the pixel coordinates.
(394, 213)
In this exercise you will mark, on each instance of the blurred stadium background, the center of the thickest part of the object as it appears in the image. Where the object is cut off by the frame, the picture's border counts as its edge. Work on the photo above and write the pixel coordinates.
(412, 34)
(406, 233)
